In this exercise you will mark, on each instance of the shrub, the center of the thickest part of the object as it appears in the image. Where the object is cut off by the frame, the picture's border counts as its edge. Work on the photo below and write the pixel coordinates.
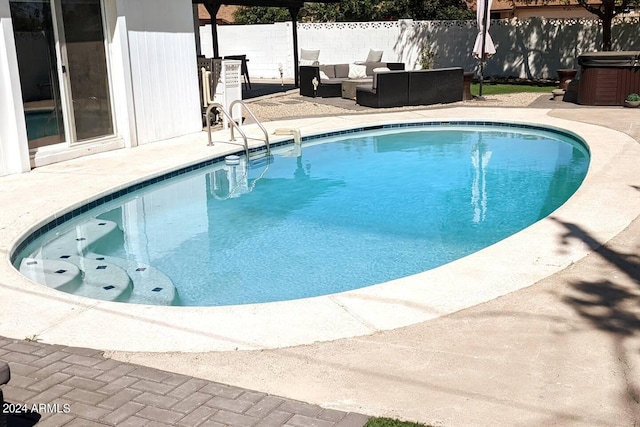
(633, 97)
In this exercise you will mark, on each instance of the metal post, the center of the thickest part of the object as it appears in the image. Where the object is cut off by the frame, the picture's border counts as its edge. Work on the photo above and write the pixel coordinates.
(294, 11)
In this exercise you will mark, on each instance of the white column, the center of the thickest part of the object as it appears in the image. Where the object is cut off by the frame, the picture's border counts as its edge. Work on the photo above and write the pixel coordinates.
(121, 80)
(14, 148)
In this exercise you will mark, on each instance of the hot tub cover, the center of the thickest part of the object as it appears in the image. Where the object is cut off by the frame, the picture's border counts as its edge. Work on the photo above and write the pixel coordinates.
(610, 59)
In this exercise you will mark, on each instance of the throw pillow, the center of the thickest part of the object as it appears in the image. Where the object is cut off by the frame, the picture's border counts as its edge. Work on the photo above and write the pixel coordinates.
(357, 71)
(379, 69)
(374, 56)
(341, 71)
(323, 76)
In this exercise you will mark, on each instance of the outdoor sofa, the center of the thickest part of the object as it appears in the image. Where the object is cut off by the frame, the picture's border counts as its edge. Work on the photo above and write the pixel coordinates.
(417, 87)
(331, 86)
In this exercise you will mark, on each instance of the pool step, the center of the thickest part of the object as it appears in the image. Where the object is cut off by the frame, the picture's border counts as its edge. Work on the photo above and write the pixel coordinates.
(56, 274)
(150, 285)
(91, 235)
(260, 160)
(71, 263)
(92, 278)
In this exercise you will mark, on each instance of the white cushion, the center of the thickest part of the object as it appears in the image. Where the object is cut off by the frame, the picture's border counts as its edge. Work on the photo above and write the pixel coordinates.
(375, 74)
(374, 55)
(308, 62)
(357, 71)
(309, 54)
(323, 75)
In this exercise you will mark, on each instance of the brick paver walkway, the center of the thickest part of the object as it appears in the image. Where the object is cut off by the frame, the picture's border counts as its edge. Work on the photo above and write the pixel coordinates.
(65, 386)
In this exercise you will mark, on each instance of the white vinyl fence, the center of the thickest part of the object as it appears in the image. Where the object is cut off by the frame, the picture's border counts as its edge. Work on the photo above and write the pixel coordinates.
(531, 48)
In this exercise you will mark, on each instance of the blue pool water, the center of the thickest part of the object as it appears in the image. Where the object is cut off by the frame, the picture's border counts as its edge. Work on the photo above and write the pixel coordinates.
(336, 214)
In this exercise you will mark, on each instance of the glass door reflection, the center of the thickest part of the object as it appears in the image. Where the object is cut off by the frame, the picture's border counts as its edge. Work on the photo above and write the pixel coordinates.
(84, 53)
(34, 34)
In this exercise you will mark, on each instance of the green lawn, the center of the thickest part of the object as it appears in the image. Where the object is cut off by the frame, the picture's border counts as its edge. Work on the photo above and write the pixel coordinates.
(390, 422)
(500, 88)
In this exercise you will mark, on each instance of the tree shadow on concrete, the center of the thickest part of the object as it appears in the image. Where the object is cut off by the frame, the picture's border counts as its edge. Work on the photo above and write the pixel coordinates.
(610, 304)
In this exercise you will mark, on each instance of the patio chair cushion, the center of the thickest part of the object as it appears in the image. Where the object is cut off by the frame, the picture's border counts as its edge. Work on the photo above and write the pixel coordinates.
(5, 374)
(374, 56)
(309, 57)
(373, 65)
(329, 70)
(341, 71)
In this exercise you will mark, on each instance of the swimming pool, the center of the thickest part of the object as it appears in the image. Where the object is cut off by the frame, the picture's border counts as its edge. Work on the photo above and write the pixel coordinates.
(295, 220)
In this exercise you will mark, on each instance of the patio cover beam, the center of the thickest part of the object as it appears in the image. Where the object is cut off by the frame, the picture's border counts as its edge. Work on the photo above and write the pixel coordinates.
(293, 6)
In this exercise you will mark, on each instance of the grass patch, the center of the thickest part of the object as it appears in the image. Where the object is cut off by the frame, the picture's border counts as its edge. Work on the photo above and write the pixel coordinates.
(390, 422)
(504, 88)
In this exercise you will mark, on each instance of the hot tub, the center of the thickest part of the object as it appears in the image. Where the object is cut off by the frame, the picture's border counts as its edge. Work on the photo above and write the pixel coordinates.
(608, 77)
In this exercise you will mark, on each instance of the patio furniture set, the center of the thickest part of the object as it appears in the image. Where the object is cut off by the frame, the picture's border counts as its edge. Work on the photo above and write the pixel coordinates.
(377, 84)
(329, 78)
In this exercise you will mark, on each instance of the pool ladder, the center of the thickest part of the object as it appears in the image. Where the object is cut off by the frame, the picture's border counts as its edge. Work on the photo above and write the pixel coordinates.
(233, 125)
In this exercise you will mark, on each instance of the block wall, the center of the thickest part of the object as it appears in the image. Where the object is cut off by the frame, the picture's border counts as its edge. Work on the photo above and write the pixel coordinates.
(531, 48)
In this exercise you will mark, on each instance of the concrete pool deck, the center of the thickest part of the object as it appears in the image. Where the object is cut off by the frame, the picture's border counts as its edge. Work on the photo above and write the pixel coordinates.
(485, 348)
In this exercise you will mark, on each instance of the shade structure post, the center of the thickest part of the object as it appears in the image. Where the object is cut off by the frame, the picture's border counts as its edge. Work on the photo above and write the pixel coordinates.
(294, 28)
(294, 7)
(213, 7)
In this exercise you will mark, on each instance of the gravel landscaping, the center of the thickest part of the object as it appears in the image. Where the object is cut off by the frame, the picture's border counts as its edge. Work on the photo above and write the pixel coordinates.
(290, 105)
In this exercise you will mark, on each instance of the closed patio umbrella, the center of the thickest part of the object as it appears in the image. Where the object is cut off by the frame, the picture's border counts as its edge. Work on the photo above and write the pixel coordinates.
(483, 48)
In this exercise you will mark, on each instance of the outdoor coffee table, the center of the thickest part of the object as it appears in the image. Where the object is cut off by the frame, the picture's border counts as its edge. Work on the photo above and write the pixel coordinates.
(349, 87)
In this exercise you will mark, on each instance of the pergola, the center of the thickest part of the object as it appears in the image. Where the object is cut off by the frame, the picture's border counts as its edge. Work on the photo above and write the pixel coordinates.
(294, 7)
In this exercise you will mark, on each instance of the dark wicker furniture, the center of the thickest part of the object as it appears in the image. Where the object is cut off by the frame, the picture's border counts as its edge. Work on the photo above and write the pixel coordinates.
(419, 87)
(336, 73)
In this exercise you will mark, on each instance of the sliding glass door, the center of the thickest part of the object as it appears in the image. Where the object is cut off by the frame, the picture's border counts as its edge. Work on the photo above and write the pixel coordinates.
(63, 70)
(35, 38)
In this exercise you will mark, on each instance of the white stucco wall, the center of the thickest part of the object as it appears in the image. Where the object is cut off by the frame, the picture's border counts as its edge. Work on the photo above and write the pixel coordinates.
(163, 67)
(533, 48)
(14, 155)
(266, 46)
